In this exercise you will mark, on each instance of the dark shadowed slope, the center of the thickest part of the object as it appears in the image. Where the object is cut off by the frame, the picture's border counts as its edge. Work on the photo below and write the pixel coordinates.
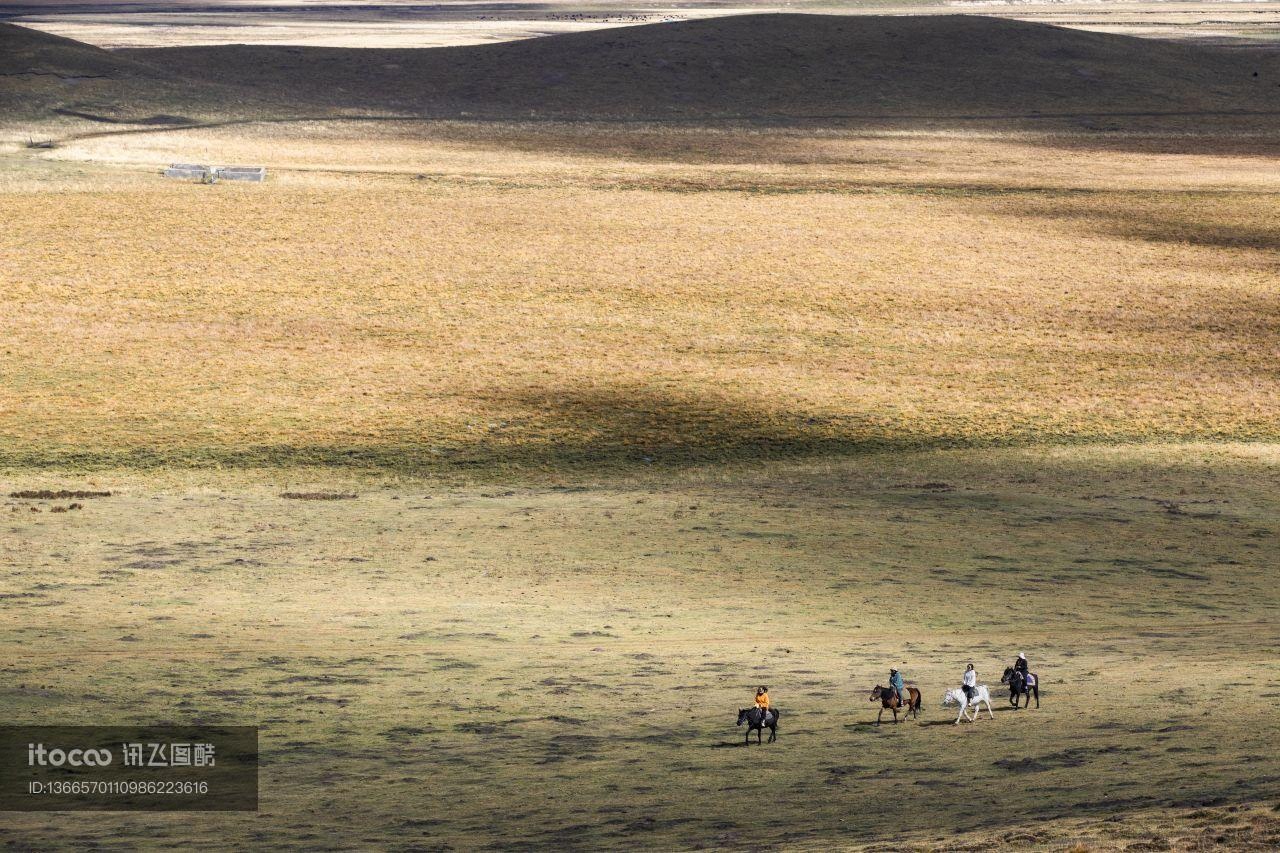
(751, 66)
(42, 74)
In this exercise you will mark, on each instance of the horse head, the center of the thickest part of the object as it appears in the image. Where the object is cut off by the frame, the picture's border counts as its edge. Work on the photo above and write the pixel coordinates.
(1008, 674)
(876, 694)
(743, 714)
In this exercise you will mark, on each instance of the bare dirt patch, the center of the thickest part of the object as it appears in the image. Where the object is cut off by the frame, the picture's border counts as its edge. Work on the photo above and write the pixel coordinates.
(318, 496)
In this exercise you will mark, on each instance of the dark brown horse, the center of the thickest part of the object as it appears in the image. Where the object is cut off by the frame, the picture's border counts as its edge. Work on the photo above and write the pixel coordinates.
(889, 699)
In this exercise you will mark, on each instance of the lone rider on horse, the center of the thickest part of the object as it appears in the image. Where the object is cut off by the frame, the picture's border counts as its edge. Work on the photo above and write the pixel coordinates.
(762, 702)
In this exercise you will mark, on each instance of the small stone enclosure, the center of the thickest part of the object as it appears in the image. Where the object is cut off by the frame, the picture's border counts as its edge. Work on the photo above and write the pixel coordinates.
(211, 174)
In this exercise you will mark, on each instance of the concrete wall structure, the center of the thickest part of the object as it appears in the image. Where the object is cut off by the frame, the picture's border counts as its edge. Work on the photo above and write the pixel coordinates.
(189, 171)
(196, 172)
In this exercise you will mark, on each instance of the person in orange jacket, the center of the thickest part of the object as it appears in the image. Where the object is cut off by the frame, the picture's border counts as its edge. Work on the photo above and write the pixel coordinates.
(762, 701)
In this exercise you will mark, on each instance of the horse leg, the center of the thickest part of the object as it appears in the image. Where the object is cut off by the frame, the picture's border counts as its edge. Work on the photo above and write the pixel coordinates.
(990, 713)
(1037, 690)
(773, 733)
(747, 739)
(760, 735)
(881, 714)
(961, 714)
(895, 716)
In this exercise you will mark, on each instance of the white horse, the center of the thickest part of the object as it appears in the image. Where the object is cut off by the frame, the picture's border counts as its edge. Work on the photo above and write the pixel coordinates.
(980, 695)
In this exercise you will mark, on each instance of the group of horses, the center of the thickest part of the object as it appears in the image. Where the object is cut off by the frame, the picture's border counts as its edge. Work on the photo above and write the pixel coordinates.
(1020, 685)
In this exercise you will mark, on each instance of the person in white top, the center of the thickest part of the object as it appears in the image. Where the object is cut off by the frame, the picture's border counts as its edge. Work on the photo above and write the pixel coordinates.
(970, 682)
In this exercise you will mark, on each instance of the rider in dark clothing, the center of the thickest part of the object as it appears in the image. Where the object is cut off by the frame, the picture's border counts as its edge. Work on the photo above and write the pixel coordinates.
(1020, 665)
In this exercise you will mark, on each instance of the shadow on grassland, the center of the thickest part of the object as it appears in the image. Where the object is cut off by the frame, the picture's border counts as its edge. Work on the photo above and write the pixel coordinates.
(1189, 219)
(612, 429)
(568, 429)
(847, 140)
(1213, 297)
(1217, 136)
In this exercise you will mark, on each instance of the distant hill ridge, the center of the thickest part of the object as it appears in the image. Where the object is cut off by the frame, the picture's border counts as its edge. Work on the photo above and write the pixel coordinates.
(42, 75)
(754, 66)
(26, 50)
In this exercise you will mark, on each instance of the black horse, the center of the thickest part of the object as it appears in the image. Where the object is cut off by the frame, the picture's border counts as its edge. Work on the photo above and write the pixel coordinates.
(756, 722)
(1021, 685)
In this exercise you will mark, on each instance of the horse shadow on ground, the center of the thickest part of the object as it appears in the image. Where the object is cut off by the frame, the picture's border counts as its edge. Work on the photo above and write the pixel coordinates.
(870, 725)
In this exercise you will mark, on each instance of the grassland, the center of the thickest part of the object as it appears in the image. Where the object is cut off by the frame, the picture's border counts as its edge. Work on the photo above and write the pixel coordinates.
(448, 667)
(442, 303)
(636, 416)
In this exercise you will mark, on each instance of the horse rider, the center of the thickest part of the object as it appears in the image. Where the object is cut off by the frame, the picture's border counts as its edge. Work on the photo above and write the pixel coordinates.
(1020, 665)
(895, 681)
(969, 683)
(762, 702)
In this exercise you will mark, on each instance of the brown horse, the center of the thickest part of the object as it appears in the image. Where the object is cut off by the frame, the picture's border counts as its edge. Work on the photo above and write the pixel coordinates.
(889, 699)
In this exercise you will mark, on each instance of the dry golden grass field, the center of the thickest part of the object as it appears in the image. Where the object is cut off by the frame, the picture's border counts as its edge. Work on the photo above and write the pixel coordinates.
(631, 417)
(432, 299)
